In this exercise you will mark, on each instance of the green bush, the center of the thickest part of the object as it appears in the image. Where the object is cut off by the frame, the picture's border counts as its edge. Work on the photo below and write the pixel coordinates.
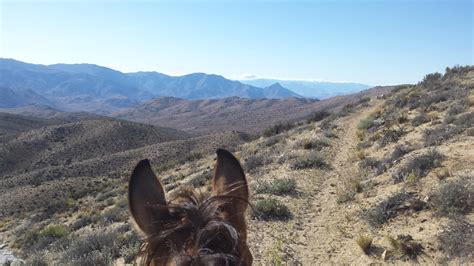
(270, 209)
(54, 231)
(308, 161)
(366, 123)
(279, 186)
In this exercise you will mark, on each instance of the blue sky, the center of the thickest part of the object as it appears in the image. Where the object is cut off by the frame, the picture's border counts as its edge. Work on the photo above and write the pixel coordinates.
(374, 42)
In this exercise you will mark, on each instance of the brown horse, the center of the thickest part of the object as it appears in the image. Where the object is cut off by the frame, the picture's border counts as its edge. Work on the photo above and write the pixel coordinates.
(191, 230)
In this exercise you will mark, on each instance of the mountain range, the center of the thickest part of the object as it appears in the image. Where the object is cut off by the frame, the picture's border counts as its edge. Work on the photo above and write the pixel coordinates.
(93, 88)
(311, 89)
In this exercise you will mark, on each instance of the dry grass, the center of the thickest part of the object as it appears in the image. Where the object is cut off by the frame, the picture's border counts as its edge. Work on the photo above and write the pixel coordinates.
(365, 243)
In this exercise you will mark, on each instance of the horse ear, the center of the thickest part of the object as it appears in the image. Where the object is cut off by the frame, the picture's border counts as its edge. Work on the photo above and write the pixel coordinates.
(229, 179)
(146, 198)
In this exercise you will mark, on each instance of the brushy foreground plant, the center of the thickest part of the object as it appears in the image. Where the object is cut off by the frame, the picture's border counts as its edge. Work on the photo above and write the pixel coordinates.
(308, 161)
(386, 209)
(455, 197)
(279, 186)
(270, 209)
(418, 166)
(457, 239)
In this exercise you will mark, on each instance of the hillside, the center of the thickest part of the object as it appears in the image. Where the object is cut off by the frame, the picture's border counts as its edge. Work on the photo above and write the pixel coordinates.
(71, 142)
(246, 115)
(386, 179)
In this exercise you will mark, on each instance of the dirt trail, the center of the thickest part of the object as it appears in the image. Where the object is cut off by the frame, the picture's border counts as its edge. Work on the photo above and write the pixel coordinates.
(327, 233)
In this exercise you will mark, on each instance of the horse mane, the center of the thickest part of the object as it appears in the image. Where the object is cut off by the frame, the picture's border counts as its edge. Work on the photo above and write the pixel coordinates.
(195, 220)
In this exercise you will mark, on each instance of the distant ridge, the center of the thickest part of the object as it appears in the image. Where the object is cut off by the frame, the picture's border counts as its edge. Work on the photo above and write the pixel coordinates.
(93, 88)
(312, 89)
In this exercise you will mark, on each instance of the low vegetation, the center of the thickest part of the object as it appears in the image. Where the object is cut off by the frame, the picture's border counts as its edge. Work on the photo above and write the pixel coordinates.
(311, 160)
(457, 239)
(270, 209)
(279, 186)
(455, 197)
(405, 247)
(277, 129)
(315, 144)
(418, 166)
(386, 210)
(365, 243)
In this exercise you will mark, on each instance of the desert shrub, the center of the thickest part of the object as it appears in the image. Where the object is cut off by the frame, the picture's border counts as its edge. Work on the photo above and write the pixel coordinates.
(433, 98)
(405, 247)
(457, 239)
(201, 179)
(308, 161)
(431, 80)
(366, 123)
(385, 210)
(364, 144)
(318, 116)
(270, 141)
(316, 144)
(346, 110)
(194, 156)
(328, 123)
(365, 243)
(54, 231)
(396, 154)
(455, 197)
(345, 196)
(458, 107)
(329, 134)
(277, 129)
(390, 136)
(372, 164)
(130, 252)
(278, 186)
(270, 209)
(420, 119)
(399, 100)
(465, 120)
(114, 214)
(470, 131)
(348, 190)
(36, 259)
(81, 222)
(255, 161)
(93, 249)
(436, 135)
(363, 100)
(418, 166)
(107, 195)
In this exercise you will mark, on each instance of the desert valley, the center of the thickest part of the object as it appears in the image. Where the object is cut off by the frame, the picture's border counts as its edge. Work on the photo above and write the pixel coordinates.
(382, 175)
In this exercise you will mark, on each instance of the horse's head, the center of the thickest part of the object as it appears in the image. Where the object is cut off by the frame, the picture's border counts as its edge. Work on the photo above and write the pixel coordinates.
(188, 230)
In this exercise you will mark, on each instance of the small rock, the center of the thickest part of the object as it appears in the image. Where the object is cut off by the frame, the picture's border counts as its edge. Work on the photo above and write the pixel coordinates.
(421, 229)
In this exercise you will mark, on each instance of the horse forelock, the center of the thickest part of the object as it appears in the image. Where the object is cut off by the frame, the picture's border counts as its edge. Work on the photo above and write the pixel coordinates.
(195, 233)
